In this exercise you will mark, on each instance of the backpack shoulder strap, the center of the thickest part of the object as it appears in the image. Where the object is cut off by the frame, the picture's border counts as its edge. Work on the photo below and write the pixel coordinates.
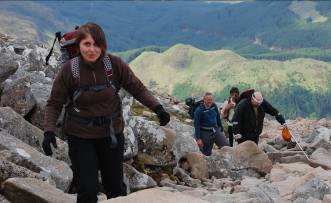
(107, 65)
(109, 73)
(74, 64)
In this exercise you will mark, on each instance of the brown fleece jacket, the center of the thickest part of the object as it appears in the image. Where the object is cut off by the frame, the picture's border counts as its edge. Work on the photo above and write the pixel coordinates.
(90, 103)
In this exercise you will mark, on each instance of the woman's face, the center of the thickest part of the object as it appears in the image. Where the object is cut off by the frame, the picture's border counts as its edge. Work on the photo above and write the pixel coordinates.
(89, 50)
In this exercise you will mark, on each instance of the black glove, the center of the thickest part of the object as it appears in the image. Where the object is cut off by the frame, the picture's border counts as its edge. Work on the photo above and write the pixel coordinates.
(49, 137)
(280, 119)
(164, 117)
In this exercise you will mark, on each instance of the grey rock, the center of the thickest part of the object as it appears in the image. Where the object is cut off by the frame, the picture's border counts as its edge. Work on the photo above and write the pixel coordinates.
(153, 140)
(165, 144)
(30, 77)
(155, 195)
(322, 156)
(313, 188)
(322, 139)
(19, 190)
(17, 126)
(19, 49)
(127, 101)
(309, 200)
(195, 164)
(169, 183)
(130, 143)
(181, 128)
(8, 66)
(260, 189)
(224, 197)
(248, 155)
(221, 164)
(40, 93)
(3, 199)
(28, 157)
(246, 159)
(183, 176)
(36, 58)
(267, 148)
(18, 96)
(184, 144)
(137, 180)
(11, 170)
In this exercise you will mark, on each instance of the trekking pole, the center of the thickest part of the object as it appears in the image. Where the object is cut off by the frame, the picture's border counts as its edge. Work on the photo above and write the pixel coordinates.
(295, 139)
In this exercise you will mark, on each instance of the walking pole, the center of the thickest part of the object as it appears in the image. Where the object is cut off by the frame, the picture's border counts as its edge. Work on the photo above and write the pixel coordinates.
(287, 135)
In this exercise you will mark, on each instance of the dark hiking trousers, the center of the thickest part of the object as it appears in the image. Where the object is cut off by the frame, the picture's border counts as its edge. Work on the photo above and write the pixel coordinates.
(230, 131)
(89, 155)
(252, 137)
(209, 137)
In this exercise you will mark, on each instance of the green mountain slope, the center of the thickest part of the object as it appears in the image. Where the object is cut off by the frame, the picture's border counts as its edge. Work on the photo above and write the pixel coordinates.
(301, 87)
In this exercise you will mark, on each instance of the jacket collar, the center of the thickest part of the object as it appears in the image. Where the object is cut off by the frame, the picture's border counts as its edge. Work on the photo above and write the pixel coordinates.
(91, 65)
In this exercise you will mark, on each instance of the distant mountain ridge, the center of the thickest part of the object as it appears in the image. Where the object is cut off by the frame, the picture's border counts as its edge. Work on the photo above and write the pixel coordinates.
(301, 86)
(256, 29)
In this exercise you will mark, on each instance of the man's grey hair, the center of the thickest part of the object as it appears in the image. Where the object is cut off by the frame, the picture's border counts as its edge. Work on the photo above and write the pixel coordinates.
(208, 94)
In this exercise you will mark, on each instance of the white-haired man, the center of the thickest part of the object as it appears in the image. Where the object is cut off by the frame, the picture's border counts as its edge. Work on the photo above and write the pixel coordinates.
(249, 115)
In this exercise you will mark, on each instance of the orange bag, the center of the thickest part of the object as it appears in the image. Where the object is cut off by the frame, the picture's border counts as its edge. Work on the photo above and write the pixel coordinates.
(286, 134)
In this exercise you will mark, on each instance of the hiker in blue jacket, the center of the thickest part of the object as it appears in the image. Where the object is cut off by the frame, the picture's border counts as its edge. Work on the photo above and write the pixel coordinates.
(208, 126)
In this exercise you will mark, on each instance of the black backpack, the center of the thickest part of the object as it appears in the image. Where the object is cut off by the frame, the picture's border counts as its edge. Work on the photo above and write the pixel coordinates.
(193, 105)
(246, 94)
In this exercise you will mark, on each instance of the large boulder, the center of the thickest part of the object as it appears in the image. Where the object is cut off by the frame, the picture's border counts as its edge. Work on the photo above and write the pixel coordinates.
(321, 139)
(245, 159)
(155, 195)
(259, 189)
(281, 172)
(17, 126)
(8, 65)
(184, 143)
(19, 190)
(36, 58)
(154, 141)
(165, 145)
(195, 164)
(130, 143)
(21, 92)
(248, 155)
(185, 178)
(11, 170)
(298, 180)
(19, 97)
(315, 188)
(179, 127)
(322, 156)
(137, 180)
(26, 156)
(221, 197)
(221, 164)
(40, 94)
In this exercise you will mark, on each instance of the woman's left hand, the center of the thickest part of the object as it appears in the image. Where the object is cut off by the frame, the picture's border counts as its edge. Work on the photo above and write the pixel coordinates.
(164, 117)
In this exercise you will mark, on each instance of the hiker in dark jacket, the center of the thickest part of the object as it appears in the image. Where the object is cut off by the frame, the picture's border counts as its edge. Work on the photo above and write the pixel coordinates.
(208, 126)
(249, 115)
(94, 123)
